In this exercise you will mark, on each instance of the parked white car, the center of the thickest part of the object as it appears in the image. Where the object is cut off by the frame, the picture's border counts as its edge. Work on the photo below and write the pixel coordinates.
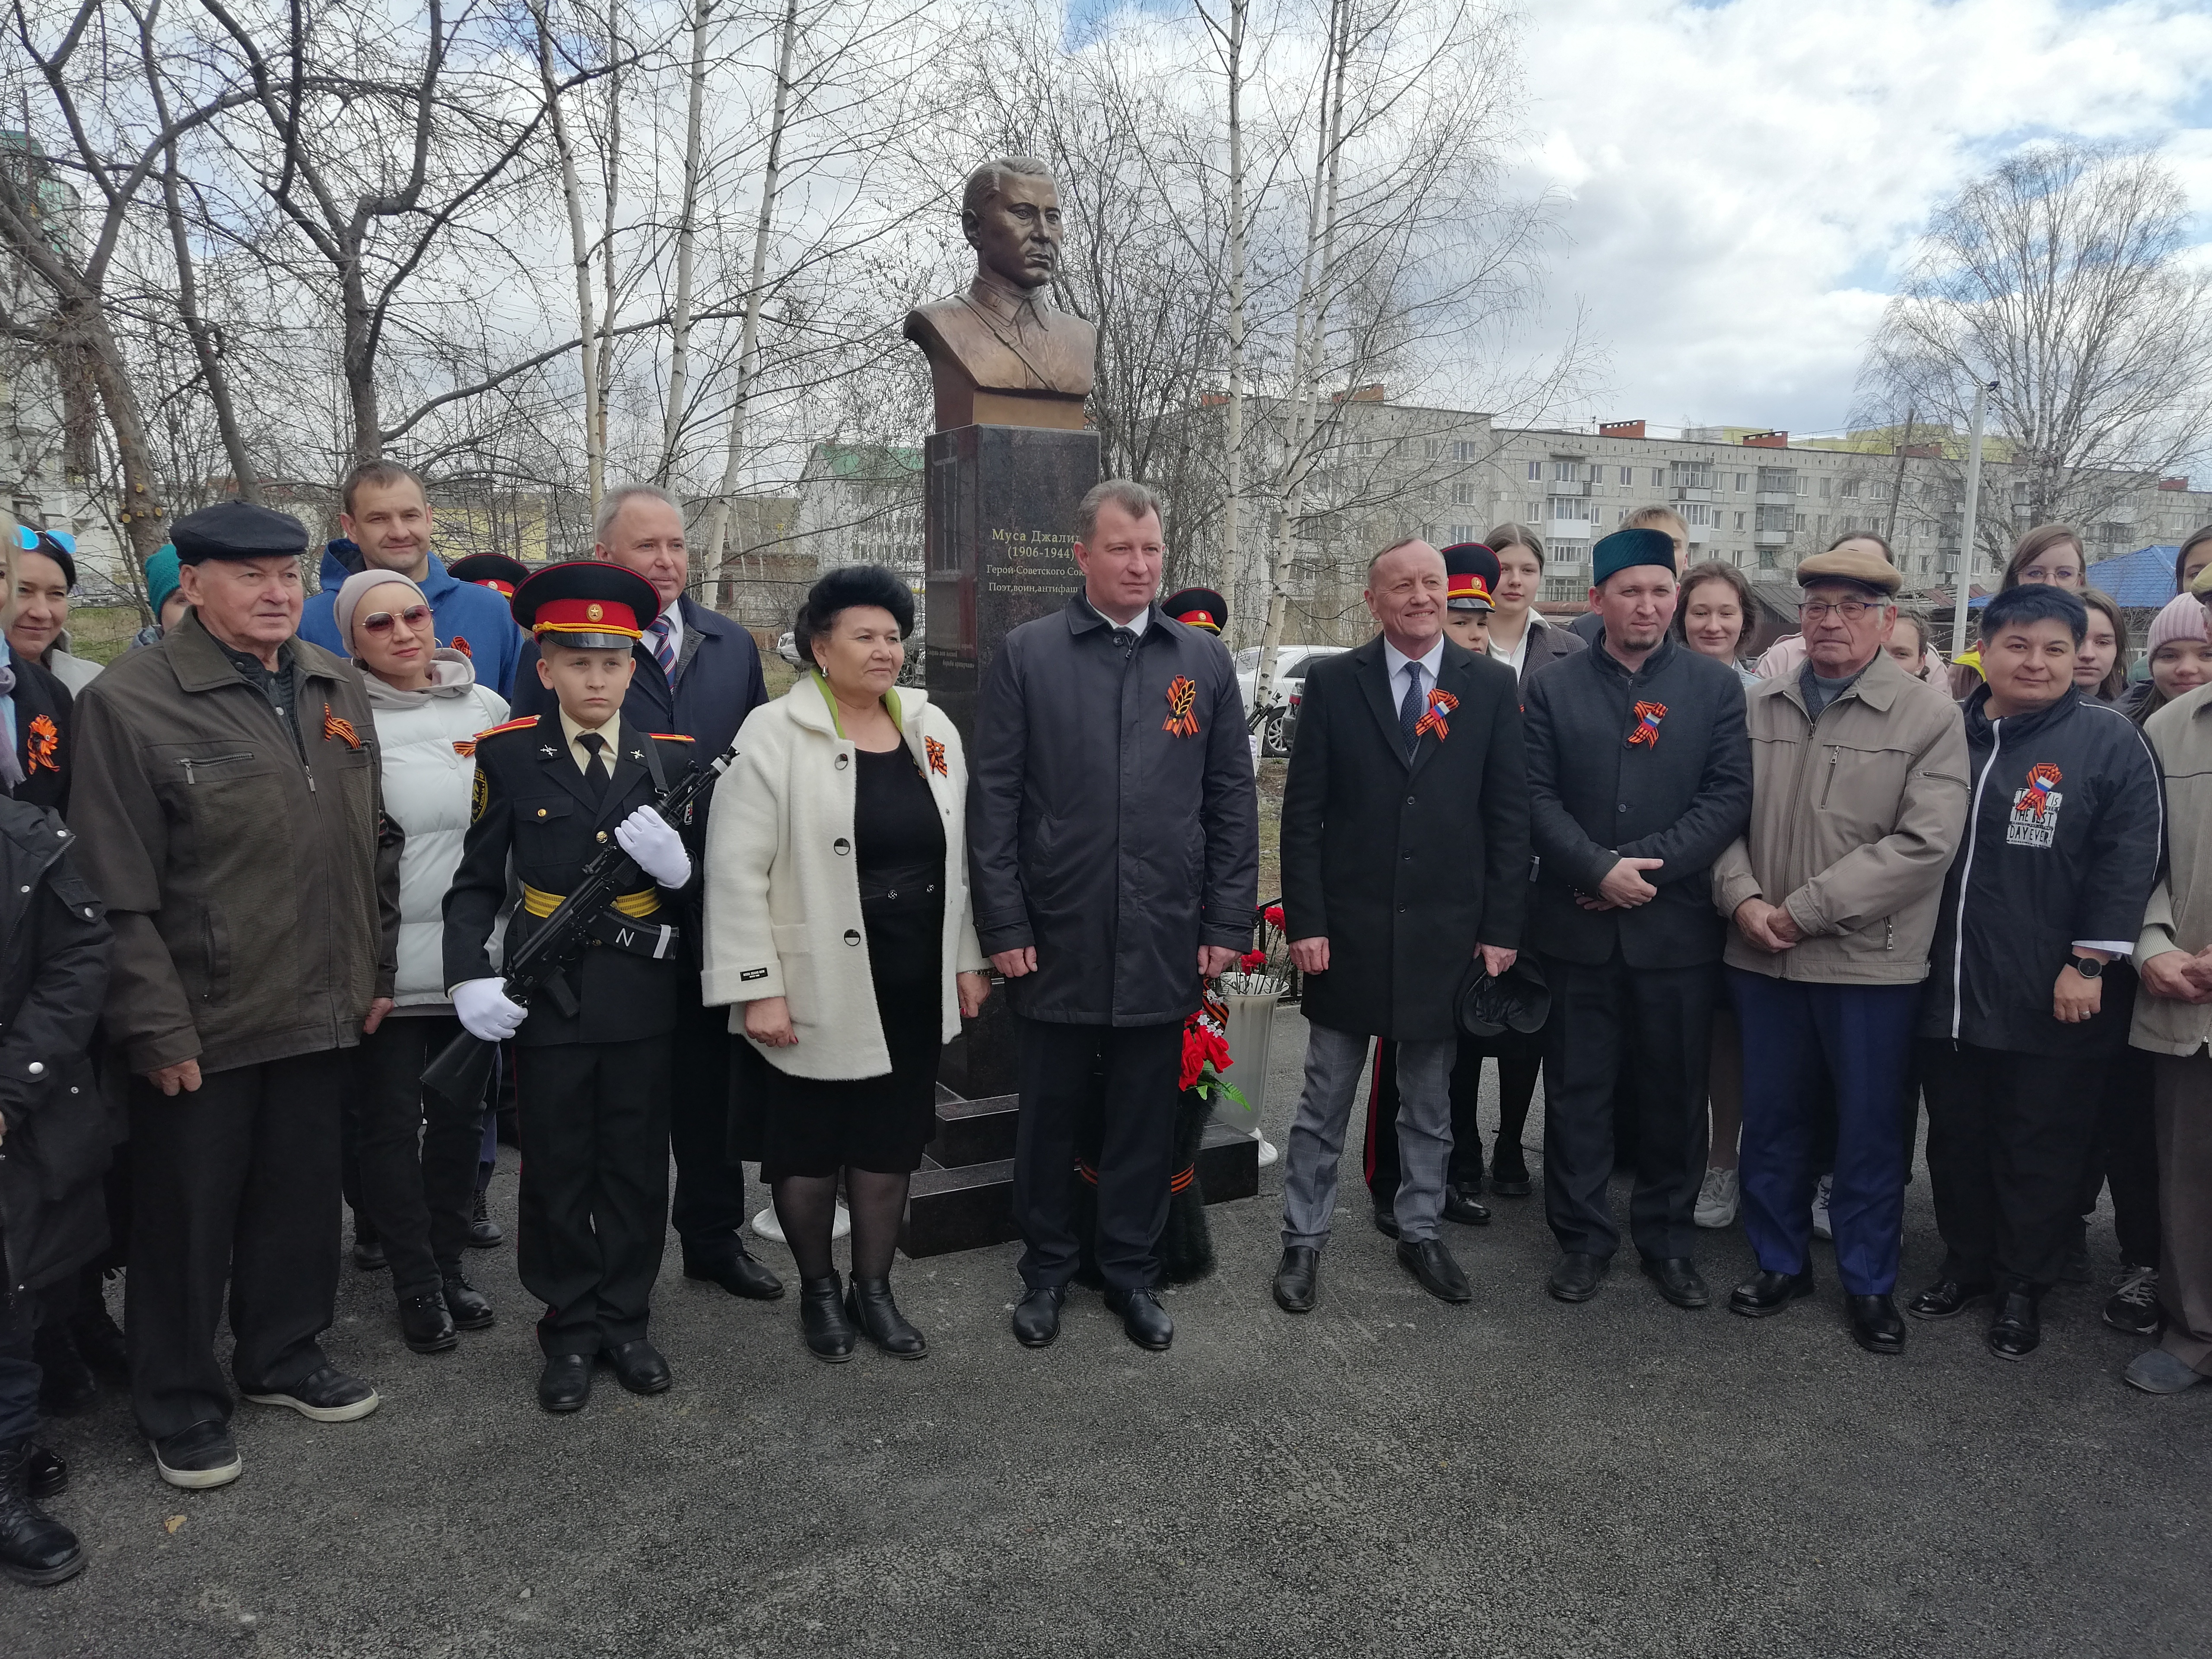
(1291, 662)
(786, 647)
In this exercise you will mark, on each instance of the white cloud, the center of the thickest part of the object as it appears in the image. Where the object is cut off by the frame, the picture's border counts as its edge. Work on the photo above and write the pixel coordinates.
(1745, 179)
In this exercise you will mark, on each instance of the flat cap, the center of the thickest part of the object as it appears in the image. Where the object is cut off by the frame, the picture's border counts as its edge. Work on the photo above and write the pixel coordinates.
(236, 529)
(1850, 564)
(1624, 548)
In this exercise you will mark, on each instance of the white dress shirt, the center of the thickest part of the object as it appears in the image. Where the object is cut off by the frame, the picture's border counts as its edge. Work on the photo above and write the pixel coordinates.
(1423, 667)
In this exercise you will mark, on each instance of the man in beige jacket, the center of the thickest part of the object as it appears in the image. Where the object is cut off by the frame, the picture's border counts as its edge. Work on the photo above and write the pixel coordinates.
(1858, 799)
(2173, 1021)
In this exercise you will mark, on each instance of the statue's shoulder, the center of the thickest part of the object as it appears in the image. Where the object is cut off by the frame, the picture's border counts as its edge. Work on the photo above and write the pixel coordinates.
(935, 316)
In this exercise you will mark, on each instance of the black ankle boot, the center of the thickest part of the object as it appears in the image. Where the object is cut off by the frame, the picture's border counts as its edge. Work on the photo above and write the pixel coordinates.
(870, 1304)
(822, 1318)
(34, 1548)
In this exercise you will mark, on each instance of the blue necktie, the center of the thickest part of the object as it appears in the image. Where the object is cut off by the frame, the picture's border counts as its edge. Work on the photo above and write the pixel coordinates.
(1409, 711)
(663, 653)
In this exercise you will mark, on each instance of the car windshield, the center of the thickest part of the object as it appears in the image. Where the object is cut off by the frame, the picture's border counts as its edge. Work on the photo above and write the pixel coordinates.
(1247, 660)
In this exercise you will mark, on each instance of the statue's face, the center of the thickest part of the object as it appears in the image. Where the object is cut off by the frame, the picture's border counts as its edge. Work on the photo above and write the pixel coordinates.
(1017, 235)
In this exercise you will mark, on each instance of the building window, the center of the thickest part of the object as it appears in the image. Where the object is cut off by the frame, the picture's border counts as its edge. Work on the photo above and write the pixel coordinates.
(1850, 491)
(1739, 517)
(1824, 487)
(1767, 558)
(1566, 471)
(1743, 482)
(1464, 451)
(1801, 522)
(1460, 533)
(1536, 471)
(1628, 476)
(1464, 493)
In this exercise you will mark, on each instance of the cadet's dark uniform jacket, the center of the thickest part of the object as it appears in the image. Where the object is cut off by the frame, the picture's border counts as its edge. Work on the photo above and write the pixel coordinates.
(535, 818)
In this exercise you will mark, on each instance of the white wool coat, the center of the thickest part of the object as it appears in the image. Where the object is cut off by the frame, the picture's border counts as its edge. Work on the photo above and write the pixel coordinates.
(428, 742)
(783, 891)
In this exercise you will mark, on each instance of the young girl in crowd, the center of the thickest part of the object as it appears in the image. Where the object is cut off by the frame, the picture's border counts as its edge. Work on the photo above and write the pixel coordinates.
(2181, 655)
(2100, 667)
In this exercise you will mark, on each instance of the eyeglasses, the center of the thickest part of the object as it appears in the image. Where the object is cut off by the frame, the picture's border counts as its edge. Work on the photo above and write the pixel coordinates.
(379, 622)
(1850, 611)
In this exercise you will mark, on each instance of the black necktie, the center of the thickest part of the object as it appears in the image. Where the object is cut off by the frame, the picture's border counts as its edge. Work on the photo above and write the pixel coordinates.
(1409, 711)
(596, 776)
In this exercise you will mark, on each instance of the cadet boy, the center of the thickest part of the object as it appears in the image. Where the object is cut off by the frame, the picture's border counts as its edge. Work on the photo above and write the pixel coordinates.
(593, 1085)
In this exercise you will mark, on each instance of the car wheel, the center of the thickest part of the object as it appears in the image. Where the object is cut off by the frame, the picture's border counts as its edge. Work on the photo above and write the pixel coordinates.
(1275, 737)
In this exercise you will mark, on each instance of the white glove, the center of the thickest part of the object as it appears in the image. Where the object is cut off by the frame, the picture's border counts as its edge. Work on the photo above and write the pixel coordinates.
(658, 850)
(485, 1010)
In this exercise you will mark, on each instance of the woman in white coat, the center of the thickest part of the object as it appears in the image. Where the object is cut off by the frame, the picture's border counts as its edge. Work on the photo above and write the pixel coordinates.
(417, 1157)
(838, 920)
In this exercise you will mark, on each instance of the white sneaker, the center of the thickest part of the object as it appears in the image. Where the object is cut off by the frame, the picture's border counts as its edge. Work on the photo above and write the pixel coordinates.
(1717, 1198)
(1820, 1227)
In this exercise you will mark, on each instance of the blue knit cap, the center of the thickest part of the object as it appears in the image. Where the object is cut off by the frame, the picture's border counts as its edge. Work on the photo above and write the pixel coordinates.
(1624, 548)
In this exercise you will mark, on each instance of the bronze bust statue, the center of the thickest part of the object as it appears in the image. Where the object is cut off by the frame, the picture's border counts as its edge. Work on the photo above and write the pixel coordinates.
(999, 354)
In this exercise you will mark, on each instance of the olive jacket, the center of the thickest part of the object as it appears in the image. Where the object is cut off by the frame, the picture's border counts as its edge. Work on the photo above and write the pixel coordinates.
(249, 872)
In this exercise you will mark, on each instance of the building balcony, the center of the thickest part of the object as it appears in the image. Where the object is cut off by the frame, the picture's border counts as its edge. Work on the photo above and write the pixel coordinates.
(1700, 533)
(1770, 538)
(1575, 530)
(1686, 493)
(1774, 498)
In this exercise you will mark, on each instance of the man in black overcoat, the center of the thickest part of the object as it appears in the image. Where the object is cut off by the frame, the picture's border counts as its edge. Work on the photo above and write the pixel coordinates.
(1639, 776)
(1405, 854)
(1114, 854)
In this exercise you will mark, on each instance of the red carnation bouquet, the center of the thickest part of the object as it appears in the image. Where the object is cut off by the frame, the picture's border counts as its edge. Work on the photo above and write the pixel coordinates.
(1205, 1055)
(1268, 970)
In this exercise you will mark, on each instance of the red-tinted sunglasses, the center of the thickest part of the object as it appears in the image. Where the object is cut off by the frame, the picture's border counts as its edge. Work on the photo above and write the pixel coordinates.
(379, 622)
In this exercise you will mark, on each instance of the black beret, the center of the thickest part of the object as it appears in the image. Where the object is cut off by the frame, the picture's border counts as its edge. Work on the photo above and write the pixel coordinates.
(236, 529)
(1199, 607)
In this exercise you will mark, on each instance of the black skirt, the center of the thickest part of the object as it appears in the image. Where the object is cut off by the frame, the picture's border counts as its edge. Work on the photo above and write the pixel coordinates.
(818, 1125)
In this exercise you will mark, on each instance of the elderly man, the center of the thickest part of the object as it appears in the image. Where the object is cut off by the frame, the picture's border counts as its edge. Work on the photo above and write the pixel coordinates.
(1405, 853)
(230, 815)
(1113, 832)
(1640, 776)
(1834, 889)
(387, 517)
(698, 675)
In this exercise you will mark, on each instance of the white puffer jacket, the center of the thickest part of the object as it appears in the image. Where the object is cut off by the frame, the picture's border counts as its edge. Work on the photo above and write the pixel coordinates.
(428, 744)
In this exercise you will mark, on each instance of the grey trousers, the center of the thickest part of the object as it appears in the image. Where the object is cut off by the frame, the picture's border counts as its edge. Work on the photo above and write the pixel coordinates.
(1335, 1063)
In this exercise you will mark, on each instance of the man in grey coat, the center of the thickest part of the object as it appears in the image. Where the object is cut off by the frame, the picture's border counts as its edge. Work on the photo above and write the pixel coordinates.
(1113, 838)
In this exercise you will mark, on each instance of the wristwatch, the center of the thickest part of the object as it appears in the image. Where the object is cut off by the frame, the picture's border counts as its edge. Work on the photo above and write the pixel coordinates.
(2088, 967)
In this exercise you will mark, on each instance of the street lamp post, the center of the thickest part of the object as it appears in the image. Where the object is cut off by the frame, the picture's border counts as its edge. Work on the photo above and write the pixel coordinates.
(1966, 530)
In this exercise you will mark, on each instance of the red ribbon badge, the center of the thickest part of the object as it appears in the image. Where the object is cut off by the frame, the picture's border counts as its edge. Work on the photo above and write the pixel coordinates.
(2040, 777)
(462, 646)
(1441, 703)
(336, 725)
(43, 744)
(936, 753)
(1648, 716)
(1182, 697)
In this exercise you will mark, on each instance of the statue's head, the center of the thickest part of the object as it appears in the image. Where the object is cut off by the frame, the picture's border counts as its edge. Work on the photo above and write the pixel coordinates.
(1011, 213)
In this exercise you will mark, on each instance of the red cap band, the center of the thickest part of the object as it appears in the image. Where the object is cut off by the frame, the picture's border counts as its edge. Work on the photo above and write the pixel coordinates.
(586, 617)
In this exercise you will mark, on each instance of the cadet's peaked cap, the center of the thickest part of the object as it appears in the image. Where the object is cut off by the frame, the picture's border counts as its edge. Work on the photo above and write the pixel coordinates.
(587, 603)
(493, 570)
(1472, 570)
(1198, 607)
(1624, 548)
(1859, 567)
(236, 529)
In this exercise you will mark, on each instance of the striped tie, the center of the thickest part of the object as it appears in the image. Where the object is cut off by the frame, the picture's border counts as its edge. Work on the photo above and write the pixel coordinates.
(663, 653)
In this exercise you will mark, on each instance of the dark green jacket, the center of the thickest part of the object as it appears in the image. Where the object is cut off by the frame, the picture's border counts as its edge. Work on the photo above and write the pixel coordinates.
(251, 878)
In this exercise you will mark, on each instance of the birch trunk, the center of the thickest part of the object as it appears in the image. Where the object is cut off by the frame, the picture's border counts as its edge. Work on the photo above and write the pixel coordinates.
(580, 248)
(687, 248)
(613, 201)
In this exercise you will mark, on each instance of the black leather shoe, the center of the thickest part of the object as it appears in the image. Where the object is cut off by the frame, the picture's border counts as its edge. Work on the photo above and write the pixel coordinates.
(197, 1456)
(822, 1319)
(425, 1324)
(566, 1383)
(1036, 1316)
(1946, 1299)
(1432, 1263)
(66, 1384)
(325, 1394)
(1874, 1323)
(1460, 1205)
(868, 1303)
(638, 1366)
(1144, 1322)
(484, 1233)
(1767, 1293)
(1575, 1277)
(99, 1338)
(44, 1474)
(1294, 1278)
(2017, 1330)
(1509, 1176)
(469, 1307)
(1676, 1276)
(736, 1272)
(1386, 1220)
(34, 1548)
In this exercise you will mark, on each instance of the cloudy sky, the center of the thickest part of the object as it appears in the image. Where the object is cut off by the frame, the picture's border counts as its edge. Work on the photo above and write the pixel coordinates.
(1743, 179)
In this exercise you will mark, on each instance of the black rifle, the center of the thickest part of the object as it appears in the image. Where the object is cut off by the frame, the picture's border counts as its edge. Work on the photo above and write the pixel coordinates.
(463, 1066)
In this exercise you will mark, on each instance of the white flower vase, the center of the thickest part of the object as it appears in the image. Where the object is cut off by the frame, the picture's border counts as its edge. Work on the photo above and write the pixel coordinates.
(1251, 999)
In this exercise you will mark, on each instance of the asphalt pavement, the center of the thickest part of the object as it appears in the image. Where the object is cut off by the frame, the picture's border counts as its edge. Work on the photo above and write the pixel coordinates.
(1384, 1476)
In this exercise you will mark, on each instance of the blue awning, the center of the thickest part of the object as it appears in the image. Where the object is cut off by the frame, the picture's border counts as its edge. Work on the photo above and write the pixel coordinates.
(2141, 581)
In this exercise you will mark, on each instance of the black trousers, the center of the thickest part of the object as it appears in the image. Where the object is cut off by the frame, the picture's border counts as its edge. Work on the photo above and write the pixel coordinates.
(1653, 1024)
(20, 1374)
(592, 1210)
(2125, 1154)
(236, 1181)
(1520, 1059)
(415, 1153)
(710, 1185)
(1064, 1069)
(2008, 1136)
